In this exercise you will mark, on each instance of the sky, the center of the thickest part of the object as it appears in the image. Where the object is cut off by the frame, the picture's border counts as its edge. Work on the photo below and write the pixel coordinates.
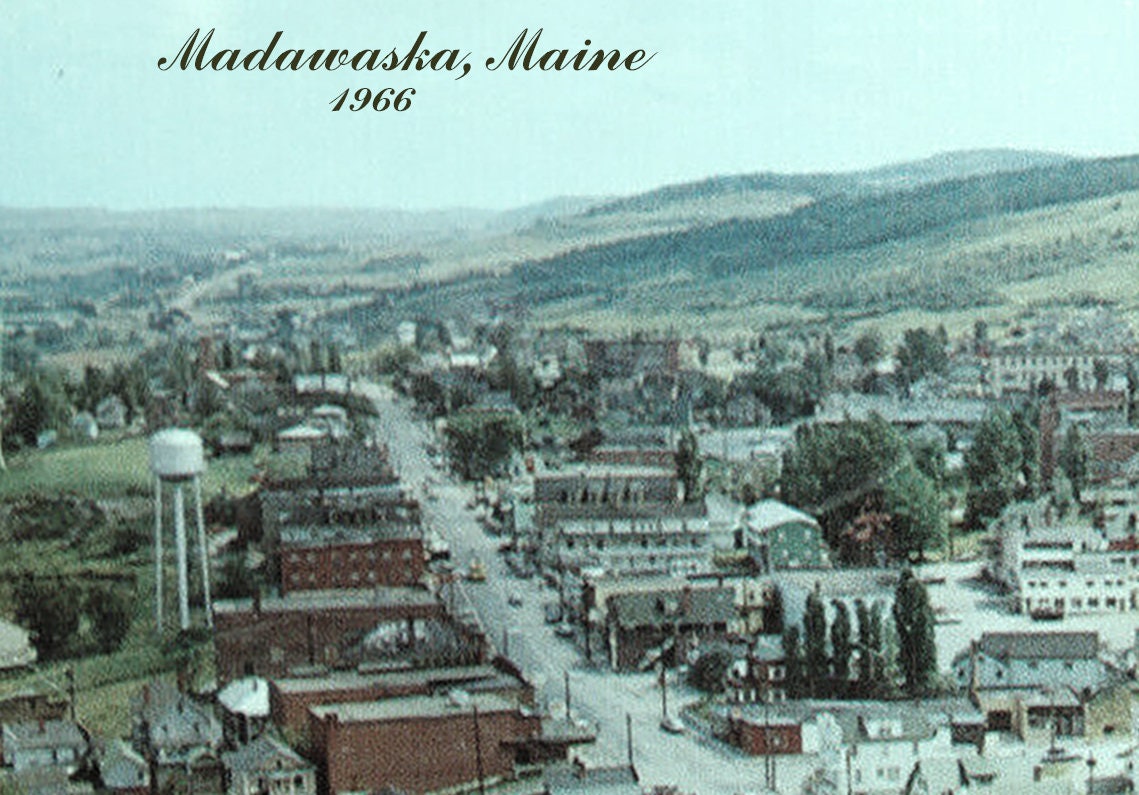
(87, 118)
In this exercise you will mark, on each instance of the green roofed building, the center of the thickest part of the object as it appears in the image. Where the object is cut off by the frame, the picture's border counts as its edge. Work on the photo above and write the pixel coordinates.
(781, 537)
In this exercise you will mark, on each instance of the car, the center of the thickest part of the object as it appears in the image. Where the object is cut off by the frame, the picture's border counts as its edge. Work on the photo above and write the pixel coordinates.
(553, 612)
(564, 630)
(515, 599)
(672, 724)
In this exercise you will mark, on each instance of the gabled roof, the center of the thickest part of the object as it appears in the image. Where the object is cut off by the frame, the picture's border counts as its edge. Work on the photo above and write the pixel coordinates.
(48, 734)
(684, 606)
(1040, 645)
(265, 753)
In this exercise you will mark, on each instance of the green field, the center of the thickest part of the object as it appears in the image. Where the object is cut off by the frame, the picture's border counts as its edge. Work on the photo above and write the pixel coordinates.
(108, 470)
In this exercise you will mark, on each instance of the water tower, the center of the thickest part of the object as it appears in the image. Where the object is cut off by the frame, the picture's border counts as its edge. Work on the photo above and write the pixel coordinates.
(176, 459)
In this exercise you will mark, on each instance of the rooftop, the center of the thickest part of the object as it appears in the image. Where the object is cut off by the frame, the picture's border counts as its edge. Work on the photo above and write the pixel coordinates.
(1040, 645)
(403, 707)
(322, 600)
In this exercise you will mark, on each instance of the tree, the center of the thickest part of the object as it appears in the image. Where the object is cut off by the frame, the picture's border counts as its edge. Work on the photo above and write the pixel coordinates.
(110, 608)
(50, 607)
(227, 359)
(43, 405)
(842, 647)
(1027, 422)
(992, 466)
(913, 620)
(480, 443)
(867, 650)
(773, 611)
(869, 347)
(815, 644)
(334, 363)
(793, 661)
(708, 672)
(833, 469)
(1073, 459)
(689, 466)
(1132, 393)
(1072, 379)
(1101, 371)
(921, 354)
(914, 504)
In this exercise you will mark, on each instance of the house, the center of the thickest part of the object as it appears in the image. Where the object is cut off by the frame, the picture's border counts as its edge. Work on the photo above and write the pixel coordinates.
(267, 765)
(644, 626)
(761, 675)
(420, 743)
(1044, 684)
(111, 414)
(16, 649)
(122, 769)
(245, 709)
(779, 536)
(174, 730)
(46, 743)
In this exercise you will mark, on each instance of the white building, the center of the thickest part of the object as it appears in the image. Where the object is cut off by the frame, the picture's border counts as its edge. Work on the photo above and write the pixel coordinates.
(1063, 566)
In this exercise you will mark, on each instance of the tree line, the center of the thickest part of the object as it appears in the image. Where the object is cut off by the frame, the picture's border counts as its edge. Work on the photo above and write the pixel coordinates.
(864, 656)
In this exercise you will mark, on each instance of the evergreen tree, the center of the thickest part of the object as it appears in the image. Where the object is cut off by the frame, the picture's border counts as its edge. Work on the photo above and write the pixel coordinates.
(1073, 460)
(1026, 419)
(689, 466)
(869, 648)
(913, 620)
(815, 644)
(842, 647)
(793, 662)
(869, 347)
(773, 611)
(110, 609)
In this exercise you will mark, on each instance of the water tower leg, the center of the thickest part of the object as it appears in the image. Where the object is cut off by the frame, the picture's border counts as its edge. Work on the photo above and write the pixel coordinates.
(180, 545)
(204, 553)
(158, 554)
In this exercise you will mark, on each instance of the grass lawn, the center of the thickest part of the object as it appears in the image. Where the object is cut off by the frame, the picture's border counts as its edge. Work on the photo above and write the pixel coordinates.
(109, 470)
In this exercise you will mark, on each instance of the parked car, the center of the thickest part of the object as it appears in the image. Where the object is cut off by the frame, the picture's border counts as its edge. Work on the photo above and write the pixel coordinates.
(515, 599)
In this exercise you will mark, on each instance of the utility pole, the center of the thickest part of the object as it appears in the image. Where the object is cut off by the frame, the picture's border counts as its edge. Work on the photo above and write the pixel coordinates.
(478, 750)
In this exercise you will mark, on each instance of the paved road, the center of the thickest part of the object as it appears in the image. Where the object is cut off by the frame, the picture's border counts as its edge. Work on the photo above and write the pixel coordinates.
(694, 764)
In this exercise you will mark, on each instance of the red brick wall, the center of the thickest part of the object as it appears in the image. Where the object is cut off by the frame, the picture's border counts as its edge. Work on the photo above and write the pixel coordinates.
(417, 754)
(382, 562)
(763, 740)
(271, 643)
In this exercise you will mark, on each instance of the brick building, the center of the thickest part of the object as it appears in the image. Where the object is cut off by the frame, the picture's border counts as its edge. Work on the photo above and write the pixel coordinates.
(317, 557)
(419, 743)
(268, 636)
(290, 698)
(760, 737)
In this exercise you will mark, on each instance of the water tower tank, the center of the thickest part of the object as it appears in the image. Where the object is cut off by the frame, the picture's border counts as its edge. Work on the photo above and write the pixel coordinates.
(176, 454)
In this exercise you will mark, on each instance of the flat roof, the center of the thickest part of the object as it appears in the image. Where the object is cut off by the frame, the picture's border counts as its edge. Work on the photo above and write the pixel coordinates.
(347, 680)
(437, 706)
(392, 596)
(315, 535)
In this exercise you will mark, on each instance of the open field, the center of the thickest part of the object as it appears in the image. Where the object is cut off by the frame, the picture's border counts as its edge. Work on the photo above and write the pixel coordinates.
(109, 469)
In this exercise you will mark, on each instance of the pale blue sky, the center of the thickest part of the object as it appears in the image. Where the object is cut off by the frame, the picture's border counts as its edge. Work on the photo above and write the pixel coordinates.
(87, 119)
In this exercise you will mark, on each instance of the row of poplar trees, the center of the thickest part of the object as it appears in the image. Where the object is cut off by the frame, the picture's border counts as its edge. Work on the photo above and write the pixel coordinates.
(838, 662)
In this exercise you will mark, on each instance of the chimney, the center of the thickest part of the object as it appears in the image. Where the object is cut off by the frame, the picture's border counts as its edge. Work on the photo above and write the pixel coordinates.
(686, 600)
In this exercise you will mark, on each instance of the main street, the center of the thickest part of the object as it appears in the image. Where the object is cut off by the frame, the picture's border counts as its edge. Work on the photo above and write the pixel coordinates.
(691, 762)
